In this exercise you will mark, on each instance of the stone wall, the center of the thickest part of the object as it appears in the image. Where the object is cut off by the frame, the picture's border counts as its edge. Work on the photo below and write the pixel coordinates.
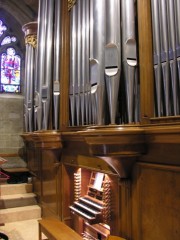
(11, 127)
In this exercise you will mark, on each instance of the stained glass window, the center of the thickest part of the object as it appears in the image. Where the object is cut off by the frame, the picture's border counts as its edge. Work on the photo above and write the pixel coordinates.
(10, 62)
(2, 28)
(7, 40)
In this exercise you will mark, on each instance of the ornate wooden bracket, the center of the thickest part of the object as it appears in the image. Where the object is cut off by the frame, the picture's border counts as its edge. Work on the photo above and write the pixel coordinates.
(118, 146)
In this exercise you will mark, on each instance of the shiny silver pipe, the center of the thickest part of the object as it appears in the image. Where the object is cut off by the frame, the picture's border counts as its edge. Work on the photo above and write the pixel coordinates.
(129, 53)
(93, 106)
(87, 49)
(79, 62)
(85, 59)
(26, 74)
(173, 55)
(41, 36)
(73, 62)
(35, 102)
(113, 55)
(97, 39)
(157, 54)
(47, 83)
(56, 76)
(31, 89)
(165, 55)
(177, 7)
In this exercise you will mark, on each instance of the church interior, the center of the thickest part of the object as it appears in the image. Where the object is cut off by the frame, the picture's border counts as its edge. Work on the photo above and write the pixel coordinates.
(90, 119)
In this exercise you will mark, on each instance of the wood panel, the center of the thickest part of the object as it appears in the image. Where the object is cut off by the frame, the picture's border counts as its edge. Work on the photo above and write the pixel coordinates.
(50, 182)
(156, 202)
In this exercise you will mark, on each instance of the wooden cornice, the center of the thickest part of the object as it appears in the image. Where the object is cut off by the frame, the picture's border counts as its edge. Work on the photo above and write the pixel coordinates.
(47, 139)
(119, 146)
(43, 139)
(28, 139)
(115, 140)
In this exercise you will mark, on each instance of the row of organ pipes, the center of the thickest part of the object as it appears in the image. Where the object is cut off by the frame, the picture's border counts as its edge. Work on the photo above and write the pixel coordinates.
(103, 52)
(42, 68)
(166, 42)
(104, 82)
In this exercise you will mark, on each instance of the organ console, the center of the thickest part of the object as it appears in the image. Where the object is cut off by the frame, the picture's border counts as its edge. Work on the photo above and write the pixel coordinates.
(96, 203)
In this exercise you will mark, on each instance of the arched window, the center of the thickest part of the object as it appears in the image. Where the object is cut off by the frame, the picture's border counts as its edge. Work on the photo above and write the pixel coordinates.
(10, 61)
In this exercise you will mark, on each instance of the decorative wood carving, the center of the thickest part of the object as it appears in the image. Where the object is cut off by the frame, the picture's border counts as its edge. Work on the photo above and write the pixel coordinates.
(47, 139)
(118, 146)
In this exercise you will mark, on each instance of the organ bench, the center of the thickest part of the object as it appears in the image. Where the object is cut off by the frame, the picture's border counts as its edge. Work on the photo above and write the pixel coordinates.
(54, 229)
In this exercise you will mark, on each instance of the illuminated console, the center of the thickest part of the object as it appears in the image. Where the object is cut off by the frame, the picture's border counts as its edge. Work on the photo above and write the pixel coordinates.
(95, 206)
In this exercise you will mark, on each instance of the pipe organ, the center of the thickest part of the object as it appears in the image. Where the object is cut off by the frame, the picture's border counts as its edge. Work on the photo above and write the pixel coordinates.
(104, 86)
(47, 77)
(102, 116)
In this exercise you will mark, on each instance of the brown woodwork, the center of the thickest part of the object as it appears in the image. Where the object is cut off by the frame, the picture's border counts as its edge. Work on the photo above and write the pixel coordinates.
(156, 202)
(145, 60)
(56, 230)
(65, 48)
(9, 155)
(118, 146)
(30, 28)
(115, 238)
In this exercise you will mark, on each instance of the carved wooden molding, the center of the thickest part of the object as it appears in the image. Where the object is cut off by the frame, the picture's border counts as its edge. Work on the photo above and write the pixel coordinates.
(47, 140)
(30, 28)
(115, 141)
(118, 146)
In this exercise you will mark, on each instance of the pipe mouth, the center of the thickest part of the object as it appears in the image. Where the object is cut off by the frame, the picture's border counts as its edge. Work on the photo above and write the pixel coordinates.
(3, 236)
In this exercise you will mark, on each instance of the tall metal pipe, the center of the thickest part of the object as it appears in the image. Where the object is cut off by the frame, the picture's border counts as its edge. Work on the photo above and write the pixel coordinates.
(85, 58)
(40, 68)
(177, 8)
(173, 55)
(97, 39)
(56, 73)
(47, 81)
(87, 49)
(157, 54)
(79, 61)
(26, 76)
(73, 62)
(31, 89)
(113, 55)
(129, 55)
(165, 55)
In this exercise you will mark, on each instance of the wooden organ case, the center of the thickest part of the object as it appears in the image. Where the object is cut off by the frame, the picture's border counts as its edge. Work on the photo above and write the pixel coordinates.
(105, 140)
